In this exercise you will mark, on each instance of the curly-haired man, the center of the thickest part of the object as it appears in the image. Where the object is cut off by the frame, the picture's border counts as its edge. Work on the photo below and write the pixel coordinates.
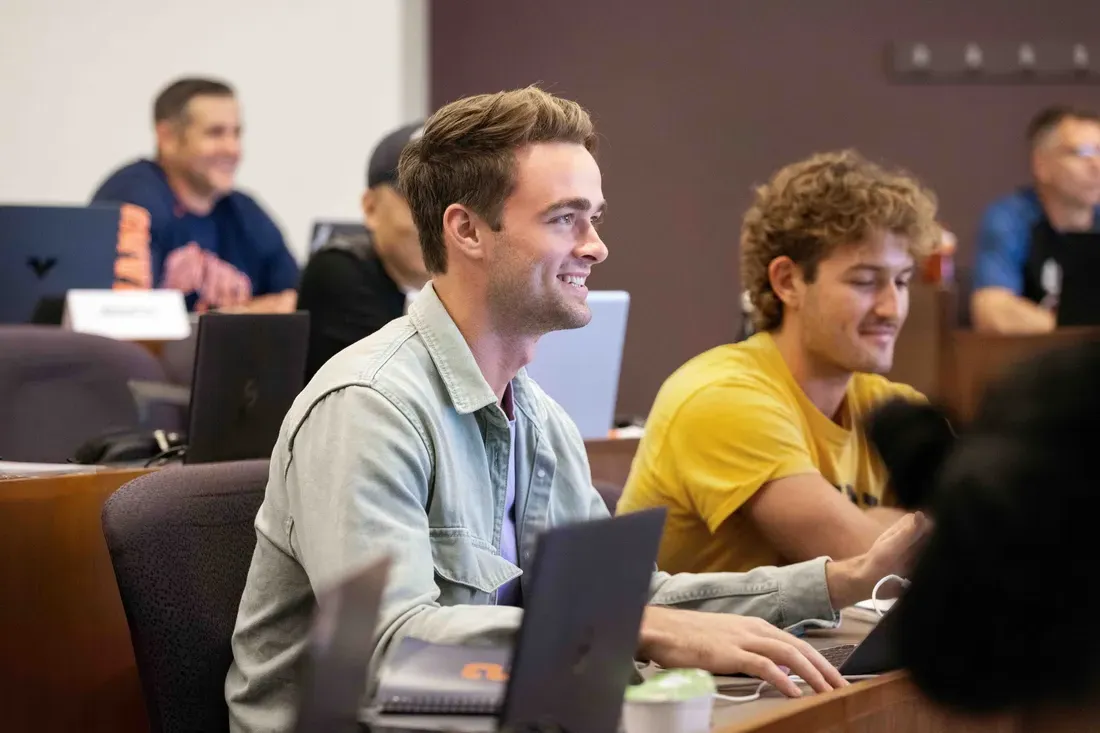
(754, 447)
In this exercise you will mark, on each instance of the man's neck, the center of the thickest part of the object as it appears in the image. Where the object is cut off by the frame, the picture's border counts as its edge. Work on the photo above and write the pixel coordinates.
(825, 387)
(193, 202)
(499, 355)
(1066, 217)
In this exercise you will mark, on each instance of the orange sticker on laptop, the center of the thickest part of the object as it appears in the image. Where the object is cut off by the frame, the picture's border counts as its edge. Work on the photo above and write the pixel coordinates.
(482, 671)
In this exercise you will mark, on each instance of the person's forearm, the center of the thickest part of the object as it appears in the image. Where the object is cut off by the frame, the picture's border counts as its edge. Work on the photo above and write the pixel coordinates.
(781, 595)
(999, 311)
(452, 625)
(885, 515)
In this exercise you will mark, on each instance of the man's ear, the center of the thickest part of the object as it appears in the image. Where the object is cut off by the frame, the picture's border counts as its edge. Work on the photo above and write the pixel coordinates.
(168, 134)
(369, 203)
(465, 231)
(786, 280)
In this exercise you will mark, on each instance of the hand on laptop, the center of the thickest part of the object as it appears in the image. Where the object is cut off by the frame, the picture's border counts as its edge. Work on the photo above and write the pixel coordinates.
(727, 644)
(893, 553)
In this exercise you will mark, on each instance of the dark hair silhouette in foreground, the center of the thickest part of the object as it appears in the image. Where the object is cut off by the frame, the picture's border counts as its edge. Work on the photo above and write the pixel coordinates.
(1004, 604)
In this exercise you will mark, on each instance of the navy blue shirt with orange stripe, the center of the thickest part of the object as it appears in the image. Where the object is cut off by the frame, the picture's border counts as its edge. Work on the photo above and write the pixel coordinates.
(237, 230)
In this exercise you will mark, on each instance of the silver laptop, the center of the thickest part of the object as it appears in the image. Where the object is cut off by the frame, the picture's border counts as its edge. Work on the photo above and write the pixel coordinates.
(579, 368)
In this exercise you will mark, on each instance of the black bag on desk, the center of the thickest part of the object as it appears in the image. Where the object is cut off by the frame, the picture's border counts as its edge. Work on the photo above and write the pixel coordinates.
(131, 446)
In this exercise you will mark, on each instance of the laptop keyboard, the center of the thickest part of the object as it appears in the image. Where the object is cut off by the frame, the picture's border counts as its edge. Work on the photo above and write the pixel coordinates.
(838, 655)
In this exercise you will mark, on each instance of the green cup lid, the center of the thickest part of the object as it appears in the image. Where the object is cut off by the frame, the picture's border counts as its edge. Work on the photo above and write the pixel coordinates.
(673, 685)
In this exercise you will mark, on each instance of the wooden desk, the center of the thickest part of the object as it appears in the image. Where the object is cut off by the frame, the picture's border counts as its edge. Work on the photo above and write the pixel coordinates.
(971, 360)
(67, 660)
(889, 703)
(953, 365)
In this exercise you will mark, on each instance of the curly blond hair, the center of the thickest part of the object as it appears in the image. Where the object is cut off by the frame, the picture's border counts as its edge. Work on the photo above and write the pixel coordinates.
(810, 208)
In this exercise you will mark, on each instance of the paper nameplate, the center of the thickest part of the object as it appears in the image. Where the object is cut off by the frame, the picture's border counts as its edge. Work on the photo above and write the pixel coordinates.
(128, 315)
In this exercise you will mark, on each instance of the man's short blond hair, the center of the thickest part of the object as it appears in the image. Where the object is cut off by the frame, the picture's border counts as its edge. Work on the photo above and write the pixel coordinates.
(810, 208)
(467, 155)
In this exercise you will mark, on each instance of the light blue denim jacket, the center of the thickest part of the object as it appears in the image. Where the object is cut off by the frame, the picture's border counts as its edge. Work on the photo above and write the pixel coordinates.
(398, 445)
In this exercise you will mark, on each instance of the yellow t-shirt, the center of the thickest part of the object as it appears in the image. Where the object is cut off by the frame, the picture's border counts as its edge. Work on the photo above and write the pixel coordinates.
(727, 423)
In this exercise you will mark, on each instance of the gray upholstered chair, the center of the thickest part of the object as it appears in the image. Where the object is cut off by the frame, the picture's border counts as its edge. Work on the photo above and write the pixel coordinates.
(59, 388)
(181, 542)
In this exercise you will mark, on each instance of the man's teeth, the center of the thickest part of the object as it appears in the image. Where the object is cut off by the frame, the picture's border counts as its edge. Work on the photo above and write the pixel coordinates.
(573, 279)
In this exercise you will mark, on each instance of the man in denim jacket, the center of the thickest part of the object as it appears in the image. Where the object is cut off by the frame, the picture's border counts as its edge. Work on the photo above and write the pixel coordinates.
(428, 441)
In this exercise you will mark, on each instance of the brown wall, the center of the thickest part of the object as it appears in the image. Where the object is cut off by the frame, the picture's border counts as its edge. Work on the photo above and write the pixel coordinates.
(697, 100)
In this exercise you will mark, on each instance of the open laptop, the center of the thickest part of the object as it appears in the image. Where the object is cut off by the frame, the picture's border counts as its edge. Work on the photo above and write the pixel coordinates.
(579, 368)
(876, 654)
(1079, 298)
(248, 370)
(46, 251)
(326, 231)
(341, 642)
(574, 654)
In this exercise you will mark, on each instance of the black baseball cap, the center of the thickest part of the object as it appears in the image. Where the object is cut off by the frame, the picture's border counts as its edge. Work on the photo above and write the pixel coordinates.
(382, 167)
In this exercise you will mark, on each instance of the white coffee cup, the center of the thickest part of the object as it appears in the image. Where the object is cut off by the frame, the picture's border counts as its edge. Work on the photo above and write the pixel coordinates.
(672, 701)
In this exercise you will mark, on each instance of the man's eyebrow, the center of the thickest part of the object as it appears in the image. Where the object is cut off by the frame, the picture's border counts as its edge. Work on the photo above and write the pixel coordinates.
(875, 269)
(576, 204)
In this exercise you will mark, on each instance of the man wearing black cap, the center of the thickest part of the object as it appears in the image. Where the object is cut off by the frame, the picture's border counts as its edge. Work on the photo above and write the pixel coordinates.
(355, 285)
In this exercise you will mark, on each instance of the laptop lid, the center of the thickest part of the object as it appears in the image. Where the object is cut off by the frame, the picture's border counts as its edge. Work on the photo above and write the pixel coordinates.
(1079, 265)
(574, 654)
(877, 653)
(248, 370)
(579, 368)
(326, 231)
(341, 642)
(46, 251)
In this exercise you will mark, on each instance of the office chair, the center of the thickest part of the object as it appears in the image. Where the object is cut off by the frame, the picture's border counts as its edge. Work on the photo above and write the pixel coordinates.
(181, 542)
(59, 388)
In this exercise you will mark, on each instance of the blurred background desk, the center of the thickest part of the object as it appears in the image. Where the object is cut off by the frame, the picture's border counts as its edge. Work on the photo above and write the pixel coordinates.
(954, 364)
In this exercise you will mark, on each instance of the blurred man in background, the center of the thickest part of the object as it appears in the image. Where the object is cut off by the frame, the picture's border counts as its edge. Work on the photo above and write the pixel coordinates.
(356, 284)
(1017, 276)
(214, 243)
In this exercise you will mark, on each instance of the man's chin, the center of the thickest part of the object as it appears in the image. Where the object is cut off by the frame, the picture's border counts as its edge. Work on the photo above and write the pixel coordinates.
(573, 315)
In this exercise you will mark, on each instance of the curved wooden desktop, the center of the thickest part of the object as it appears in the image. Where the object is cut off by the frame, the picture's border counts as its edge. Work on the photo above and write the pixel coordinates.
(66, 663)
(889, 704)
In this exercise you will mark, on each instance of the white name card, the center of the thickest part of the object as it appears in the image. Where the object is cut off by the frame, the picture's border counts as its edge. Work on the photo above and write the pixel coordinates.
(128, 315)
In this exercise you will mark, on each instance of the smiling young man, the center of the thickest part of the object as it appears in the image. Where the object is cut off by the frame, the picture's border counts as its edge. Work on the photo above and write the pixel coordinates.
(427, 439)
(755, 447)
(212, 242)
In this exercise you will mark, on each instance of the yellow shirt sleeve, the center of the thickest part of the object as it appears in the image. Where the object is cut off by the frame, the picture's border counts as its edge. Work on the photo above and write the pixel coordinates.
(728, 441)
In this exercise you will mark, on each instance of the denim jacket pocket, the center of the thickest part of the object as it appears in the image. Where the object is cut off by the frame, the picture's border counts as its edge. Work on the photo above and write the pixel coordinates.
(469, 569)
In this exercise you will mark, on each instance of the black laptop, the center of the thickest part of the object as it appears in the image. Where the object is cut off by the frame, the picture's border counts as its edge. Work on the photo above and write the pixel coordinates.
(248, 370)
(574, 653)
(327, 232)
(341, 642)
(45, 251)
(1079, 299)
(876, 654)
